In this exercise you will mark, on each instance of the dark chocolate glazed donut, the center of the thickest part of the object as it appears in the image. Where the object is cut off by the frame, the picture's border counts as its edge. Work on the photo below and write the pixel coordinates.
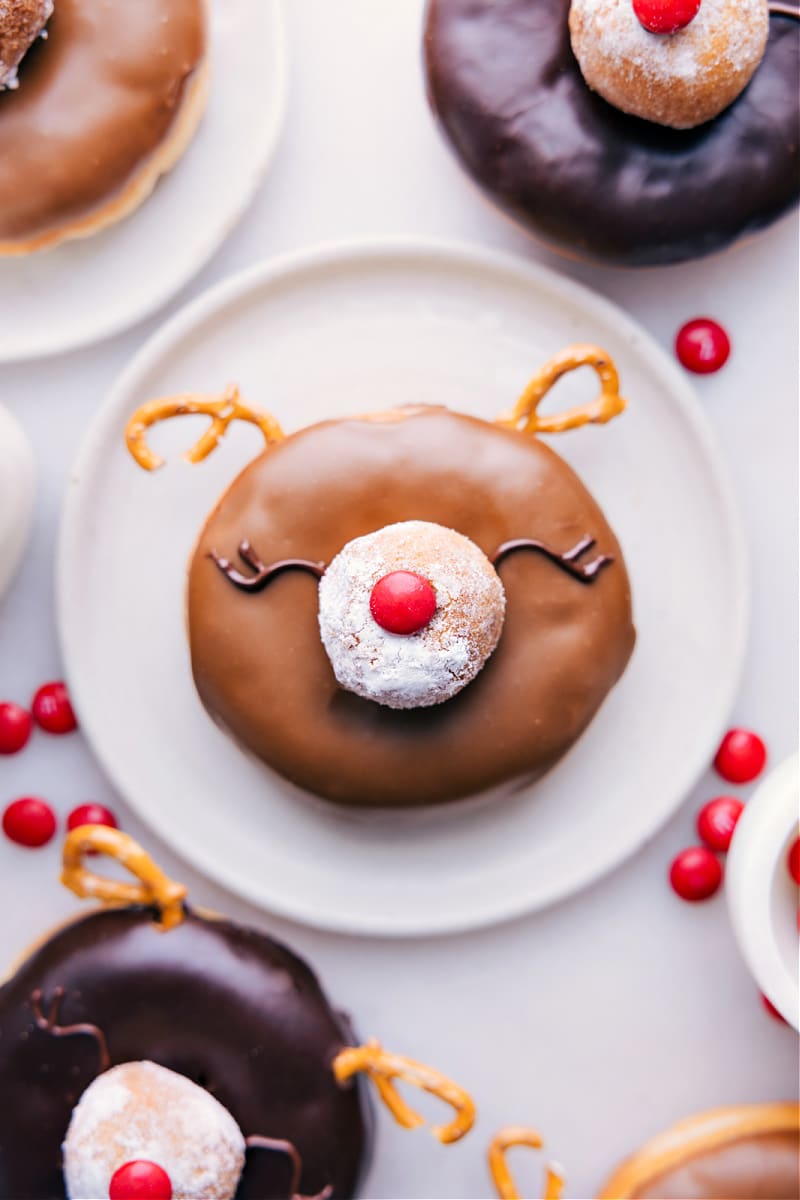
(236, 1012)
(507, 89)
(258, 660)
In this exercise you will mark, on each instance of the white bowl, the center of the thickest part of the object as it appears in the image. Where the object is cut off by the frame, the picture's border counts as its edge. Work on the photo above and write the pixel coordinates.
(17, 490)
(762, 896)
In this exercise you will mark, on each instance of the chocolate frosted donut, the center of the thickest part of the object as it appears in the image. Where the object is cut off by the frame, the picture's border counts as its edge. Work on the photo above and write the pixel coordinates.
(258, 660)
(505, 85)
(103, 107)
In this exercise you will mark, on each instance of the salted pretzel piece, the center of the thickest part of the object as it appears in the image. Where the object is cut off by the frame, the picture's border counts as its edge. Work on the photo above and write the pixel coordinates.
(154, 886)
(222, 410)
(517, 1135)
(603, 408)
(382, 1067)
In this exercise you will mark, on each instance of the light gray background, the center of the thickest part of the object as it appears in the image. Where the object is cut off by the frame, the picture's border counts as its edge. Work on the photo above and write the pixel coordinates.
(611, 1015)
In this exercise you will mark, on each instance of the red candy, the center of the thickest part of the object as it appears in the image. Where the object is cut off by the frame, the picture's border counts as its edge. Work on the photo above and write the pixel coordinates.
(695, 874)
(91, 814)
(793, 861)
(666, 16)
(402, 602)
(741, 756)
(29, 822)
(716, 821)
(15, 728)
(702, 346)
(52, 709)
(140, 1180)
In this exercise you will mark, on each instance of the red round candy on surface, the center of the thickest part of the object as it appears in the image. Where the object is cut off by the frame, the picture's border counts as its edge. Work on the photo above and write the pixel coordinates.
(695, 873)
(402, 602)
(666, 16)
(16, 724)
(716, 821)
(29, 822)
(52, 709)
(140, 1180)
(741, 756)
(91, 814)
(702, 346)
(793, 860)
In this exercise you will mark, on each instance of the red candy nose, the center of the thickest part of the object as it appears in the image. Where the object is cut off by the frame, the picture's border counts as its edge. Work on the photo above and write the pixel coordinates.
(402, 602)
(140, 1180)
(666, 16)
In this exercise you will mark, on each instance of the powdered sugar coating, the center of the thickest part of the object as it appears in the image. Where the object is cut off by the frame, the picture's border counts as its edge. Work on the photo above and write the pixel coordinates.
(139, 1110)
(429, 666)
(680, 79)
(21, 22)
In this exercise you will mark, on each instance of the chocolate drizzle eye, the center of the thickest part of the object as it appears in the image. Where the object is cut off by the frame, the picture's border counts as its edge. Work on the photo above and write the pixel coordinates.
(568, 561)
(256, 1142)
(784, 10)
(263, 573)
(49, 1024)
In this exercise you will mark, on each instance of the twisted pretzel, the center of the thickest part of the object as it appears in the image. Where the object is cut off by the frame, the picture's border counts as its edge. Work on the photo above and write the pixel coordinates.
(382, 1067)
(154, 887)
(222, 410)
(603, 408)
(517, 1135)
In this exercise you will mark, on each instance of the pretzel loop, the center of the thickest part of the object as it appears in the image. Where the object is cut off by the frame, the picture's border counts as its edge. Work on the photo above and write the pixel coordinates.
(603, 408)
(222, 410)
(153, 888)
(516, 1135)
(383, 1067)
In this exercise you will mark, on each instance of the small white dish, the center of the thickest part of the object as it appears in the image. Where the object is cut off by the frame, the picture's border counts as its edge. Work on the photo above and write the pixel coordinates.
(351, 329)
(89, 289)
(17, 495)
(762, 896)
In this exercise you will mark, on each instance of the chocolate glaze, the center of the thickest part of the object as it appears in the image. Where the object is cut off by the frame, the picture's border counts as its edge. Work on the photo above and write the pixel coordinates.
(226, 1006)
(96, 99)
(509, 94)
(260, 667)
(763, 1167)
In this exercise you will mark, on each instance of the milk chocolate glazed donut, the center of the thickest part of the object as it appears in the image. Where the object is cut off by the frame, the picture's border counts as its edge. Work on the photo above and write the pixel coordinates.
(258, 661)
(105, 106)
(586, 178)
(149, 978)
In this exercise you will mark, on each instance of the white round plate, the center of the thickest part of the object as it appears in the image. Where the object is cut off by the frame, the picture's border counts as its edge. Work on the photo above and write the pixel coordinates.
(88, 289)
(350, 329)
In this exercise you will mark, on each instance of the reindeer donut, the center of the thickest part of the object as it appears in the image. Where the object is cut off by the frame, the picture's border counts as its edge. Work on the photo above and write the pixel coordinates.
(409, 607)
(149, 1045)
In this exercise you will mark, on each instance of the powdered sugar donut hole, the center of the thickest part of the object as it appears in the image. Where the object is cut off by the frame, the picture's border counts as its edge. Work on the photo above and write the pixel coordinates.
(21, 22)
(680, 79)
(423, 668)
(142, 1111)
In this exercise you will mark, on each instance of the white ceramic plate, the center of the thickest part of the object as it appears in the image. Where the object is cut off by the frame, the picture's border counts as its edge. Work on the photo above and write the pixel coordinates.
(350, 329)
(88, 289)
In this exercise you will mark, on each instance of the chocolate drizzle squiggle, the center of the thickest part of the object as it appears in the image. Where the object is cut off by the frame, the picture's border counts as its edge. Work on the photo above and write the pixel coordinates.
(567, 561)
(785, 10)
(256, 1142)
(264, 574)
(49, 1024)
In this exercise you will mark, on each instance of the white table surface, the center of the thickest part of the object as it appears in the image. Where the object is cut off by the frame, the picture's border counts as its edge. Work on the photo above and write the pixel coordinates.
(609, 1016)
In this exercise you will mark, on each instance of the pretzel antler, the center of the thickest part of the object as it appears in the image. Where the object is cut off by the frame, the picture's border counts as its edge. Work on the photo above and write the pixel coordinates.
(603, 408)
(517, 1135)
(154, 886)
(383, 1067)
(222, 410)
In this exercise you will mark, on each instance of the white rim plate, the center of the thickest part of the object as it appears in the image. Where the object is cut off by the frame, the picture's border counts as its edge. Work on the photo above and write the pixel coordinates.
(88, 289)
(352, 328)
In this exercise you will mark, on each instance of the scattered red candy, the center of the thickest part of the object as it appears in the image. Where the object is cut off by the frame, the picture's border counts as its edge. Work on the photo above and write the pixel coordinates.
(140, 1180)
(402, 602)
(716, 821)
(702, 346)
(52, 709)
(695, 873)
(771, 1009)
(29, 822)
(91, 814)
(741, 756)
(793, 860)
(15, 728)
(666, 16)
